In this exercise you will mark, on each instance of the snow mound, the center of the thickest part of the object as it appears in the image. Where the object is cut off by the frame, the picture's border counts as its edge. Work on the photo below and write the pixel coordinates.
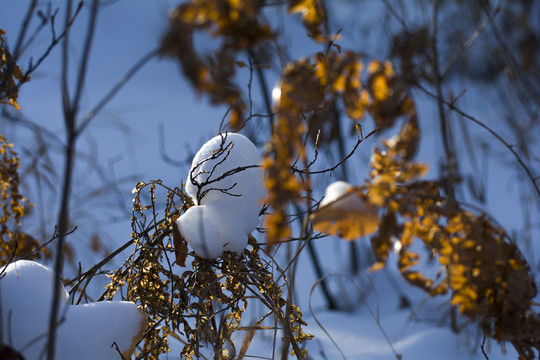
(334, 191)
(86, 332)
(226, 184)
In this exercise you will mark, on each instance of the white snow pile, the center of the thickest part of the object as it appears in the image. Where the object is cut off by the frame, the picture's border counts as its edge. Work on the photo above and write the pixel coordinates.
(86, 332)
(226, 184)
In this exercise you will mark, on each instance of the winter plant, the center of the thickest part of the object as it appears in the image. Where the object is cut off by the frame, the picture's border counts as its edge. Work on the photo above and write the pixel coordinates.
(203, 266)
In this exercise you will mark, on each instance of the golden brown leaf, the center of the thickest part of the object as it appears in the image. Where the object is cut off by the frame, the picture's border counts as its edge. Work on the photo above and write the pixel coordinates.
(11, 76)
(350, 216)
(313, 16)
(12, 209)
(238, 23)
(388, 93)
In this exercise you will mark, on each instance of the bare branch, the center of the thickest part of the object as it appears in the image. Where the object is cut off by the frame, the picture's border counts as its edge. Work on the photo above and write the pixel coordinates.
(87, 118)
(358, 142)
(453, 107)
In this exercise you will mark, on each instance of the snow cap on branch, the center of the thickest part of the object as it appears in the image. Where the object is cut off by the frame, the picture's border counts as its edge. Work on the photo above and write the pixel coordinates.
(226, 184)
(344, 211)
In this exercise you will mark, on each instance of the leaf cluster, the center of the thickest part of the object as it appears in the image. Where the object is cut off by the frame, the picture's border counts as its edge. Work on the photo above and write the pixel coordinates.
(11, 75)
(486, 274)
(13, 242)
(313, 17)
(238, 25)
(312, 86)
(203, 306)
(488, 278)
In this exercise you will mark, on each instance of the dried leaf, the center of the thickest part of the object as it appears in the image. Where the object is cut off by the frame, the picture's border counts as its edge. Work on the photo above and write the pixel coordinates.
(238, 23)
(11, 76)
(313, 16)
(350, 216)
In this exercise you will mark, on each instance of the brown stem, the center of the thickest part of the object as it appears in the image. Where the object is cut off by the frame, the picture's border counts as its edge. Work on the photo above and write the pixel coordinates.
(70, 112)
(450, 166)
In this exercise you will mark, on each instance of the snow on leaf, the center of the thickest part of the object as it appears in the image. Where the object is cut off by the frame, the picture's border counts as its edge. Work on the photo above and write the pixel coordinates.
(345, 212)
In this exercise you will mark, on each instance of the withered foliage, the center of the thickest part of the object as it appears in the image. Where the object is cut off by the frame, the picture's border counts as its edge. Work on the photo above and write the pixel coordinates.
(351, 216)
(488, 278)
(389, 95)
(201, 306)
(11, 75)
(313, 17)
(13, 242)
(286, 144)
(239, 26)
(486, 275)
(312, 86)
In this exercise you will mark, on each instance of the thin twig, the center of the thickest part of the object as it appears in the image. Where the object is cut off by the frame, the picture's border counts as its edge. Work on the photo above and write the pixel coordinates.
(4, 268)
(70, 112)
(444, 126)
(100, 264)
(24, 28)
(398, 17)
(264, 87)
(81, 79)
(55, 39)
(87, 118)
(455, 56)
(482, 348)
(453, 107)
(358, 142)
(55, 236)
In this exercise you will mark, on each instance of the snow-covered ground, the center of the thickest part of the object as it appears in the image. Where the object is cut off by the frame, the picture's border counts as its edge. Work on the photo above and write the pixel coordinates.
(85, 332)
(357, 335)
(378, 329)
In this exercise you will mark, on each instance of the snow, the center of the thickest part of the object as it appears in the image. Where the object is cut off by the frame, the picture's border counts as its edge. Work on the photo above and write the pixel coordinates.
(212, 228)
(416, 333)
(357, 337)
(226, 193)
(238, 151)
(86, 331)
(344, 211)
(334, 191)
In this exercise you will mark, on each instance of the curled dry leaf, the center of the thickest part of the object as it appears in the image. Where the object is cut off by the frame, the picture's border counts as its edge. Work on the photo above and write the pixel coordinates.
(313, 16)
(11, 75)
(348, 216)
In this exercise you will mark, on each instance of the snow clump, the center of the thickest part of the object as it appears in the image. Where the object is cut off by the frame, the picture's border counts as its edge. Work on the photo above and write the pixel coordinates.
(85, 332)
(344, 211)
(226, 184)
(334, 191)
